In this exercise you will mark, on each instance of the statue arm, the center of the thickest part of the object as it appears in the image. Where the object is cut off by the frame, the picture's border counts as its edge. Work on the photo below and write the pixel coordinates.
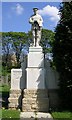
(40, 22)
(41, 19)
(31, 20)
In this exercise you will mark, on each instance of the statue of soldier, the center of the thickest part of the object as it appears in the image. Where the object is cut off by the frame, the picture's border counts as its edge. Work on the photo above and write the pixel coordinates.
(36, 21)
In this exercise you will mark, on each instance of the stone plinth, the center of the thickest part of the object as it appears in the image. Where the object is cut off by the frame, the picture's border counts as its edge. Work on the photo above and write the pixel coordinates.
(15, 92)
(35, 69)
(35, 100)
(35, 116)
(35, 57)
(35, 96)
(15, 99)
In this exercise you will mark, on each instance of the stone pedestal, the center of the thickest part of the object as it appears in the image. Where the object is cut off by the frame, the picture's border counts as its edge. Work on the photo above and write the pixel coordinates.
(35, 96)
(35, 69)
(35, 100)
(15, 91)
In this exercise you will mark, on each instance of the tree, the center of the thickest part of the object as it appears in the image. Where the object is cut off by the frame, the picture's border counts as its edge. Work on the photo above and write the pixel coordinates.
(47, 40)
(62, 53)
(13, 42)
(17, 39)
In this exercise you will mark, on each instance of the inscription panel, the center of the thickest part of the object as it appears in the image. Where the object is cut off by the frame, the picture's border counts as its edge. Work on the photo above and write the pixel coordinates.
(16, 75)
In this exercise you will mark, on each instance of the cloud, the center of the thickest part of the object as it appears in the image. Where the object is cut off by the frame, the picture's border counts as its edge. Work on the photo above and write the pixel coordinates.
(50, 11)
(18, 9)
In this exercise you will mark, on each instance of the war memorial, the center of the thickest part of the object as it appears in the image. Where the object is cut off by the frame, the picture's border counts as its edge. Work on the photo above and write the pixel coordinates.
(28, 89)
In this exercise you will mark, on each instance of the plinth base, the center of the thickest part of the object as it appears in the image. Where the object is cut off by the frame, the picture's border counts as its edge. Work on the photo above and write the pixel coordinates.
(35, 100)
(15, 99)
(35, 116)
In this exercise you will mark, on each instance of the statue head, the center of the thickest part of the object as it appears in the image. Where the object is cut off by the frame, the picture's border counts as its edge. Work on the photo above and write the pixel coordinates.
(35, 10)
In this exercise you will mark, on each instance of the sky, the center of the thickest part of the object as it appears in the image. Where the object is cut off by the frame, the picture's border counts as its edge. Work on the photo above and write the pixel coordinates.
(15, 15)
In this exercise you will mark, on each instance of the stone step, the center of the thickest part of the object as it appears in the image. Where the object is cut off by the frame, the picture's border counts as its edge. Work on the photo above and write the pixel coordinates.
(35, 115)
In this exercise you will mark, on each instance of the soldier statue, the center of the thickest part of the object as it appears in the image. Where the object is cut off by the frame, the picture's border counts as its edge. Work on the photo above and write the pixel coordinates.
(36, 22)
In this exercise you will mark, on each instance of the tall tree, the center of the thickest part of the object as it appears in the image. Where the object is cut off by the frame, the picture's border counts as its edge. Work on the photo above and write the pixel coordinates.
(62, 53)
(18, 39)
(47, 40)
(14, 42)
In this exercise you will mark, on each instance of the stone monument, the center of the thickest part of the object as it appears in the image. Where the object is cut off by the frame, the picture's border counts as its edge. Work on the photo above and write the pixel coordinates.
(35, 95)
(28, 89)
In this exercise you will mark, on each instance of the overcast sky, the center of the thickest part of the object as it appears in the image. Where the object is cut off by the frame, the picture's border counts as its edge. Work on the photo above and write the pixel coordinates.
(15, 15)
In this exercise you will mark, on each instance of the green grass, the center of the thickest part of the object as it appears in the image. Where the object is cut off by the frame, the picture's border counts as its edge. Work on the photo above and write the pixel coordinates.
(15, 114)
(10, 114)
(62, 115)
(4, 88)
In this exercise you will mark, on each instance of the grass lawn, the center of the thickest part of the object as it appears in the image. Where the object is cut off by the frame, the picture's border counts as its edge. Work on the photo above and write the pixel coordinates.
(15, 114)
(62, 115)
(9, 114)
(6, 114)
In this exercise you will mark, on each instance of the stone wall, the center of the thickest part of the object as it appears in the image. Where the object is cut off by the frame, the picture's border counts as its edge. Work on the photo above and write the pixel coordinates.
(54, 100)
(51, 82)
(51, 76)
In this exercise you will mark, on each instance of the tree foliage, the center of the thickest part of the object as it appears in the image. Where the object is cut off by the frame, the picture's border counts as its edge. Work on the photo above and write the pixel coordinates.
(47, 40)
(13, 42)
(62, 53)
